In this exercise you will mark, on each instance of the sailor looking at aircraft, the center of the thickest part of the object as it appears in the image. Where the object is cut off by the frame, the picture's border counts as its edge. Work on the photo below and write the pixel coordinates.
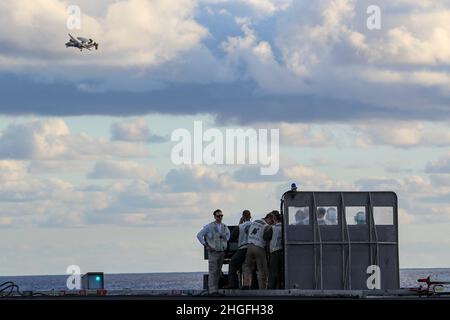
(321, 216)
(275, 236)
(214, 236)
(256, 252)
(302, 217)
(238, 258)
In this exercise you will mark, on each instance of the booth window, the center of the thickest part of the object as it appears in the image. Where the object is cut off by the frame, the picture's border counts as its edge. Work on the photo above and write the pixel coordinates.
(327, 216)
(299, 216)
(356, 215)
(383, 215)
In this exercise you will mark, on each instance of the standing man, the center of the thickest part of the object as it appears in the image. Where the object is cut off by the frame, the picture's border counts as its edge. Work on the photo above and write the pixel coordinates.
(275, 236)
(214, 236)
(256, 252)
(239, 256)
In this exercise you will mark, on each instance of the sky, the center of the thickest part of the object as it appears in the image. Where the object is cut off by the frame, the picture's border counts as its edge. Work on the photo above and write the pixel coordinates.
(86, 171)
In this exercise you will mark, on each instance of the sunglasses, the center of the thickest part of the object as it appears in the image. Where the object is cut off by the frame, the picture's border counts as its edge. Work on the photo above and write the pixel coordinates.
(219, 215)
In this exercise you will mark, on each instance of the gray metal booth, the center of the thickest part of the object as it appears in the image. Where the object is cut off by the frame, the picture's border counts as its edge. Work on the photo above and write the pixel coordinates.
(330, 239)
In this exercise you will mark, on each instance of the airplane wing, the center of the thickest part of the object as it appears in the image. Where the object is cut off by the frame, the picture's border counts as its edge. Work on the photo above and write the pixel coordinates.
(72, 38)
(83, 39)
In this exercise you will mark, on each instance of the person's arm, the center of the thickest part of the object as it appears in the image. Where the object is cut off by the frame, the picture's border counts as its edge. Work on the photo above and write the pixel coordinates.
(227, 233)
(268, 232)
(201, 235)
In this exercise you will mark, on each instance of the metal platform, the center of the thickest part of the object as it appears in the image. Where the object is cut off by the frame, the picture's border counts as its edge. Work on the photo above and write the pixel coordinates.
(233, 294)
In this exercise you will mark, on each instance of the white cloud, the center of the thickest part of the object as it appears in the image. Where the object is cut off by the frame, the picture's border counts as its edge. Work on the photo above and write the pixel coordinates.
(259, 59)
(132, 32)
(12, 170)
(402, 134)
(135, 130)
(314, 31)
(305, 135)
(268, 6)
(306, 177)
(123, 170)
(261, 8)
(27, 200)
(34, 139)
(421, 38)
(196, 179)
(51, 139)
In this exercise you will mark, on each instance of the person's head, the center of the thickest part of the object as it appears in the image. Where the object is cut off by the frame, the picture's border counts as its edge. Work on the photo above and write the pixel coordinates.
(360, 218)
(269, 218)
(276, 216)
(332, 214)
(246, 215)
(302, 214)
(218, 215)
(321, 213)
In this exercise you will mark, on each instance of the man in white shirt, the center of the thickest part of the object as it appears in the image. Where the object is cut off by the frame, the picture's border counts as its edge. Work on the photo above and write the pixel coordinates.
(214, 236)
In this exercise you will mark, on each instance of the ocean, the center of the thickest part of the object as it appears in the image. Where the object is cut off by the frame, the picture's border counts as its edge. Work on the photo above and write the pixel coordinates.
(173, 281)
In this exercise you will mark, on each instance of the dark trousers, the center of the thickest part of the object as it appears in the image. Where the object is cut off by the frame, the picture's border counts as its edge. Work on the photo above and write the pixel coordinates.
(236, 262)
(275, 270)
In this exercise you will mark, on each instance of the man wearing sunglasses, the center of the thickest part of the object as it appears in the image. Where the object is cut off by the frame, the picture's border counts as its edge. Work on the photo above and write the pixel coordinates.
(214, 236)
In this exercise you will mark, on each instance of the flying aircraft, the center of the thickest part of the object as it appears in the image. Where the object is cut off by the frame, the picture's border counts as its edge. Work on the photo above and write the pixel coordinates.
(81, 43)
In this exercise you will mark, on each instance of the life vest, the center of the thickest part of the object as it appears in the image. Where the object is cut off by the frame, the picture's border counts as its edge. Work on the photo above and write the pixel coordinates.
(276, 241)
(243, 234)
(256, 232)
(219, 239)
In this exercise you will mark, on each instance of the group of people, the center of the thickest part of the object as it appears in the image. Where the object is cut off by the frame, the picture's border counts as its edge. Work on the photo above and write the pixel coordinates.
(324, 216)
(260, 249)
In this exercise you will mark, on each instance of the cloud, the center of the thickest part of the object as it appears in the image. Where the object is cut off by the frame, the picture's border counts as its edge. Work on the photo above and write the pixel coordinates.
(259, 8)
(155, 32)
(408, 43)
(260, 63)
(423, 198)
(30, 200)
(12, 170)
(51, 139)
(252, 174)
(55, 166)
(289, 62)
(35, 139)
(413, 184)
(195, 179)
(402, 133)
(304, 135)
(122, 170)
(441, 165)
(306, 178)
(135, 130)
(440, 180)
